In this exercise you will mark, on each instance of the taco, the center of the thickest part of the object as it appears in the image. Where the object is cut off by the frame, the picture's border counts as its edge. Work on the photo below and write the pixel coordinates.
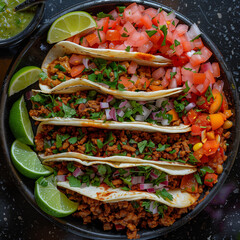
(54, 140)
(89, 108)
(101, 185)
(69, 67)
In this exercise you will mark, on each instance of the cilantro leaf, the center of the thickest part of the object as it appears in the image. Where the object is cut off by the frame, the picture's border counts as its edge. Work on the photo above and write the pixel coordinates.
(58, 141)
(142, 145)
(127, 49)
(150, 33)
(198, 178)
(103, 15)
(74, 182)
(71, 167)
(164, 29)
(99, 144)
(164, 194)
(60, 67)
(172, 74)
(102, 169)
(42, 75)
(72, 140)
(68, 111)
(205, 170)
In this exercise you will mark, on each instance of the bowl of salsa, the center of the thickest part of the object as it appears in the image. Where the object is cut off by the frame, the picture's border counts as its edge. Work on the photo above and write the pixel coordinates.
(16, 26)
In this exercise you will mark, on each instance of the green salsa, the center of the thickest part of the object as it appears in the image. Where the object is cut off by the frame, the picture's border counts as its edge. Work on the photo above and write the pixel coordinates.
(11, 22)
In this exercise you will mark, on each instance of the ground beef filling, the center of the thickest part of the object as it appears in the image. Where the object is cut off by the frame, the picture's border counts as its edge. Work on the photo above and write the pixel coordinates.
(62, 69)
(130, 216)
(103, 143)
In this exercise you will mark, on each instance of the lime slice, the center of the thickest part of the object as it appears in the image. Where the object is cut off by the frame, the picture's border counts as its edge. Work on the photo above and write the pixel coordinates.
(69, 25)
(51, 200)
(26, 161)
(19, 122)
(23, 78)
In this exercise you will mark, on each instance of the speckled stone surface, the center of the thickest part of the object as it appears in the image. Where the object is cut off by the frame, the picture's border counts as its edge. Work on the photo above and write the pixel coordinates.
(220, 20)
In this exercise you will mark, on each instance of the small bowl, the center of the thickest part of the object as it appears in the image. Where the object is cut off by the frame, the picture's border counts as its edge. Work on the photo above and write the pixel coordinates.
(15, 40)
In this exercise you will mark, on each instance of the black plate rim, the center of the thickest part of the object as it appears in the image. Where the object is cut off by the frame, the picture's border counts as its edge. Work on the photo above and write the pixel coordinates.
(148, 234)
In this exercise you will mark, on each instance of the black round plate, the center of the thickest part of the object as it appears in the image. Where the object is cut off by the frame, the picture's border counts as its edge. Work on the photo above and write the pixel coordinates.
(34, 53)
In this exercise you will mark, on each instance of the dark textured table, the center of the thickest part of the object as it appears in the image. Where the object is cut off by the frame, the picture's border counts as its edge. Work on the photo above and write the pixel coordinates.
(220, 20)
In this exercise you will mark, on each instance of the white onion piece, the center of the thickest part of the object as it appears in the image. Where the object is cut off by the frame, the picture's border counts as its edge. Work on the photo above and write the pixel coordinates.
(146, 186)
(134, 78)
(159, 102)
(128, 105)
(193, 32)
(104, 105)
(190, 106)
(120, 113)
(83, 185)
(137, 180)
(85, 62)
(165, 122)
(146, 112)
(218, 85)
(174, 69)
(109, 98)
(152, 107)
(170, 16)
(107, 111)
(190, 53)
(153, 209)
(140, 118)
(78, 172)
(206, 66)
(61, 178)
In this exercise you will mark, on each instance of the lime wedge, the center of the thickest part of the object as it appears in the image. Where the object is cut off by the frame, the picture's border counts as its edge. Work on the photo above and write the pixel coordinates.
(69, 25)
(19, 122)
(23, 78)
(51, 200)
(26, 161)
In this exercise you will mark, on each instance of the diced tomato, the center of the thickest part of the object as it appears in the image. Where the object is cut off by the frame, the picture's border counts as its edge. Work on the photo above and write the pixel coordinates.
(198, 154)
(103, 45)
(137, 39)
(151, 12)
(57, 108)
(206, 53)
(224, 103)
(189, 183)
(187, 46)
(76, 39)
(179, 61)
(192, 116)
(70, 39)
(202, 88)
(185, 120)
(156, 88)
(155, 37)
(210, 147)
(127, 28)
(105, 24)
(196, 59)
(216, 69)
(164, 82)
(119, 227)
(199, 78)
(198, 43)
(76, 70)
(196, 130)
(203, 121)
(210, 179)
(112, 35)
(84, 42)
(113, 23)
(132, 67)
(146, 21)
(126, 83)
(210, 76)
(181, 29)
(92, 39)
(204, 159)
(159, 73)
(145, 48)
(76, 59)
(194, 139)
(145, 82)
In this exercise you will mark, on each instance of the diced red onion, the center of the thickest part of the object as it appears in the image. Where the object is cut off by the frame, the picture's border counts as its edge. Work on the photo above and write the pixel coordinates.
(165, 122)
(151, 190)
(190, 106)
(159, 102)
(153, 209)
(127, 173)
(61, 178)
(146, 112)
(83, 185)
(85, 62)
(112, 114)
(142, 102)
(109, 98)
(159, 119)
(159, 186)
(138, 179)
(116, 173)
(92, 175)
(146, 186)
(189, 96)
(206, 66)
(170, 16)
(140, 118)
(92, 65)
(153, 175)
(134, 78)
(218, 85)
(114, 14)
(108, 117)
(193, 32)
(173, 83)
(169, 106)
(120, 113)
(29, 94)
(152, 107)
(104, 105)
(101, 179)
(104, 85)
(123, 104)
(78, 172)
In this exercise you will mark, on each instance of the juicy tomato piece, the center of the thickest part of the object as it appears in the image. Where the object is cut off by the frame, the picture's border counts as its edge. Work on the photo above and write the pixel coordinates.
(202, 103)
(204, 159)
(203, 121)
(156, 88)
(210, 147)
(189, 183)
(224, 103)
(155, 37)
(185, 120)
(119, 227)
(105, 24)
(125, 81)
(196, 130)
(199, 78)
(113, 23)
(76, 59)
(179, 61)
(216, 69)
(76, 70)
(92, 39)
(202, 88)
(194, 140)
(210, 179)
(112, 35)
(76, 39)
(198, 154)
(57, 108)
(192, 116)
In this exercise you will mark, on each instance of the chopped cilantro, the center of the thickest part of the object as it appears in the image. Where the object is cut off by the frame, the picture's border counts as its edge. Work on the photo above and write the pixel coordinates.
(127, 49)
(172, 74)
(197, 37)
(164, 29)
(205, 170)
(124, 35)
(74, 182)
(58, 141)
(142, 145)
(198, 178)
(68, 111)
(103, 15)
(150, 33)
(209, 94)
(99, 144)
(72, 140)
(43, 76)
(164, 194)
(198, 53)
(173, 151)
(121, 9)
(71, 167)
(60, 67)
(102, 169)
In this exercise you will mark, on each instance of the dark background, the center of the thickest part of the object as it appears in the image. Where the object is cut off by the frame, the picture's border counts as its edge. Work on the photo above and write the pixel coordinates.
(220, 20)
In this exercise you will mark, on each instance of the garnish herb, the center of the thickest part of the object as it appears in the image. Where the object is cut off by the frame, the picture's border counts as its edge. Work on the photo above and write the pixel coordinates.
(164, 29)
(150, 33)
